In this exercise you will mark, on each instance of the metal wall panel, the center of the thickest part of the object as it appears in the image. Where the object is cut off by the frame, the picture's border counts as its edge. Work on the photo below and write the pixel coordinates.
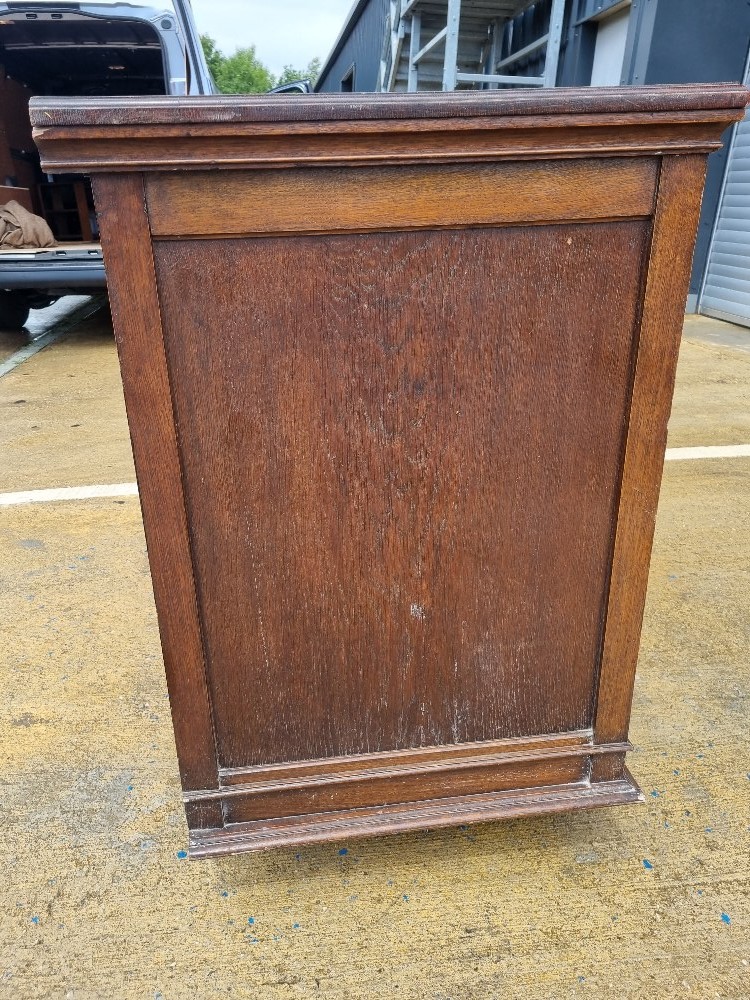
(359, 47)
(726, 288)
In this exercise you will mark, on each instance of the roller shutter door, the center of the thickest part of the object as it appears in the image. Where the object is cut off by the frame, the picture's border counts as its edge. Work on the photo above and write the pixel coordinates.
(726, 288)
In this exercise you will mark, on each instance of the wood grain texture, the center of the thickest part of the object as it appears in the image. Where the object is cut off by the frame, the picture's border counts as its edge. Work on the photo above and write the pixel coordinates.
(112, 134)
(411, 758)
(408, 529)
(399, 452)
(260, 147)
(381, 198)
(404, 816)
(352, 782)
(468, 779)
(675, 225)
(114, 112)
(137, 322)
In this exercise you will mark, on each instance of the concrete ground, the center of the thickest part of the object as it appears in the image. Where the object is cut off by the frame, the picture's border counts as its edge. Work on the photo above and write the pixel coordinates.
(98, 901)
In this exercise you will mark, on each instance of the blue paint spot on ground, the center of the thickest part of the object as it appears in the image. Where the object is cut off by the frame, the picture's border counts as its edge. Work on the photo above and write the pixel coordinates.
(254, 940)
(700, 892)
(699, 756)
(676, 770)
(666, 824)
(725, 918)
(647, 864)
(295, 927)
(405, 898)
(130, 788)
(251, 920)
(709, 829)
(35, 920)
(181, 854)
(343, 850)
(655, 794)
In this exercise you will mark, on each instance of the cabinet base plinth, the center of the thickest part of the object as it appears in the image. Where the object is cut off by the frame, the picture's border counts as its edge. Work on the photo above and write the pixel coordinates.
(346, 824)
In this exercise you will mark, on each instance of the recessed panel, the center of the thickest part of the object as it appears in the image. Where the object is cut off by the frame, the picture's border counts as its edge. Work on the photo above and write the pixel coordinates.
(401, 454)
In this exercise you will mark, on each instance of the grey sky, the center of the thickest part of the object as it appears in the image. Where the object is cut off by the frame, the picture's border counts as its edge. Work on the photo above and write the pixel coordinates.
(283, 31)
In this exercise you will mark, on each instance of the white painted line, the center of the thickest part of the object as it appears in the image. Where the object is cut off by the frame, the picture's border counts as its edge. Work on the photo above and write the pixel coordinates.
(714, 451)
(131, 489)
(68, 493)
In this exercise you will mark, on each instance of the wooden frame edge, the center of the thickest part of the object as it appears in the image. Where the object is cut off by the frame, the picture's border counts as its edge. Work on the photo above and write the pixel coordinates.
(678, 202)
(300, 202)
(136, 313)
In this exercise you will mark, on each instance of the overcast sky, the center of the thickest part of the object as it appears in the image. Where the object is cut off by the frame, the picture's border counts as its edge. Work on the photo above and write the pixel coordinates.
(283, 31)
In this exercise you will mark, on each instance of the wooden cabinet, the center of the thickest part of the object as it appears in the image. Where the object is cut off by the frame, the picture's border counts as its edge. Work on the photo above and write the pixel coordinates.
(398, 371)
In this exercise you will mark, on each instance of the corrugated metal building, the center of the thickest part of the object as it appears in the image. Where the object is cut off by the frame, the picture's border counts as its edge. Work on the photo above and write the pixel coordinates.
(442, 44)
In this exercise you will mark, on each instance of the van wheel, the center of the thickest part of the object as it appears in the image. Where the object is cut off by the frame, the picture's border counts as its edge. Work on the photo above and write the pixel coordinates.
(14, 310)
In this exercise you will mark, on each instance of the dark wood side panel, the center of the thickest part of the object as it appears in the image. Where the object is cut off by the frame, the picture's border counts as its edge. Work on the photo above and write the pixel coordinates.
(675, 225)
(126, 244)
(205, 203)
(398, 412)
(401, 455)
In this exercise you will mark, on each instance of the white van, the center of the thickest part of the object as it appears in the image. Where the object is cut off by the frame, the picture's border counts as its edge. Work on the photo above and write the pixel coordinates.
(82, 49)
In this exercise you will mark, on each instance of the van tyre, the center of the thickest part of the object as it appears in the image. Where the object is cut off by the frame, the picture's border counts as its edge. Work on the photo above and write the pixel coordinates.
(14, 310)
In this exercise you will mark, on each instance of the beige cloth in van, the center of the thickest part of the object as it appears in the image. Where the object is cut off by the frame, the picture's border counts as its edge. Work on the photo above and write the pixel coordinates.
(20, 229)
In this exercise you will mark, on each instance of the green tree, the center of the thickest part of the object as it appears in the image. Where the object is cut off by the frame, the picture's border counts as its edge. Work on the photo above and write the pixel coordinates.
(240, 73)
(290, 74)
(214, 58)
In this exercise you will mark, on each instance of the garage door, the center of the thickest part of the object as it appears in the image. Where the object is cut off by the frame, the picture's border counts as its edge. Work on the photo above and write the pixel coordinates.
(726, 289)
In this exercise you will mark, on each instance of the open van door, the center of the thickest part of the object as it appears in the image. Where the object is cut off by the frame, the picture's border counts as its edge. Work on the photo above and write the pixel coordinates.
(62, 49)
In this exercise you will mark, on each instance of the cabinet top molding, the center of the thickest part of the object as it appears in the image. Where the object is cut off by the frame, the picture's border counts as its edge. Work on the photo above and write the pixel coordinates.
(123, 134)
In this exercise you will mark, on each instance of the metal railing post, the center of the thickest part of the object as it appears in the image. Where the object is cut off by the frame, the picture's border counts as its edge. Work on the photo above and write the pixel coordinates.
(556, 18)
(414, 43)
(450, 64)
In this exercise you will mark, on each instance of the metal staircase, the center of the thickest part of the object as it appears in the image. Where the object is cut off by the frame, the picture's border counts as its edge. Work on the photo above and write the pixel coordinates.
(460, 44)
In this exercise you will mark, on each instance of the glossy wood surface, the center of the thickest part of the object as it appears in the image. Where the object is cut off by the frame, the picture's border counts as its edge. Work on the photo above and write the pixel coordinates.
(398, 415)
